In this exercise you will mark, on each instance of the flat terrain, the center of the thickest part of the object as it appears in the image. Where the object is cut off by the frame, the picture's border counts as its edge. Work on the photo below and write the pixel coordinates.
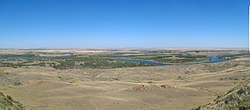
(182, 87)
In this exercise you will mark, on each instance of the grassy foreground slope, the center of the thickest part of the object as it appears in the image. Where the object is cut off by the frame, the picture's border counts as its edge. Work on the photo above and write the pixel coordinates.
(237, 98)
(7, 103)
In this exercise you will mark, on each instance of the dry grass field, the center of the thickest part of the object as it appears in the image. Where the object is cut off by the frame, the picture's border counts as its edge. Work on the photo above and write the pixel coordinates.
(183, 87)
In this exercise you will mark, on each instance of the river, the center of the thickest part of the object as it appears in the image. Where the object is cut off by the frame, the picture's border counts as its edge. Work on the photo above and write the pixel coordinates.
(212, 59)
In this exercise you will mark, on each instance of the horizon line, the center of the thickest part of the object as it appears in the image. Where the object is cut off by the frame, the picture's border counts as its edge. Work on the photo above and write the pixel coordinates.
(52, 48)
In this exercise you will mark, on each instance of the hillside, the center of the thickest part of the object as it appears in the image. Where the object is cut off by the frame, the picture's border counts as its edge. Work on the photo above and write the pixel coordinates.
(7, 103)
(237, 98)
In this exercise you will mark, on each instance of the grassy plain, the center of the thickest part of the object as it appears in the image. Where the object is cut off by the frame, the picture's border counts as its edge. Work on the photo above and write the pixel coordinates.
(143, 87)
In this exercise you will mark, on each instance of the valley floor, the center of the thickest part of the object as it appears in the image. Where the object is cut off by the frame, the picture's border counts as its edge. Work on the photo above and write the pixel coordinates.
(139, 88)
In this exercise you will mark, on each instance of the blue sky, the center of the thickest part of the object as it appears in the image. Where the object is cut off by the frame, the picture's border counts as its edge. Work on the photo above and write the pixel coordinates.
(123, 23)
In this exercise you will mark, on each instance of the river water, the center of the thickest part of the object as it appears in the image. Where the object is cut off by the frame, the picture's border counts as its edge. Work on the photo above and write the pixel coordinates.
(213, 59)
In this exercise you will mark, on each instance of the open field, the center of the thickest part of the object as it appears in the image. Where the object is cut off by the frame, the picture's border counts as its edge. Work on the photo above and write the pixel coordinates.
(138, 86)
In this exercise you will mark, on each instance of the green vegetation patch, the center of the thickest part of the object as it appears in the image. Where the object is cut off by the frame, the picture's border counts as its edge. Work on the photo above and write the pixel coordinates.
(237, 98)
(171, 58)
(7, 103)
(101, 62)
(244, 104)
